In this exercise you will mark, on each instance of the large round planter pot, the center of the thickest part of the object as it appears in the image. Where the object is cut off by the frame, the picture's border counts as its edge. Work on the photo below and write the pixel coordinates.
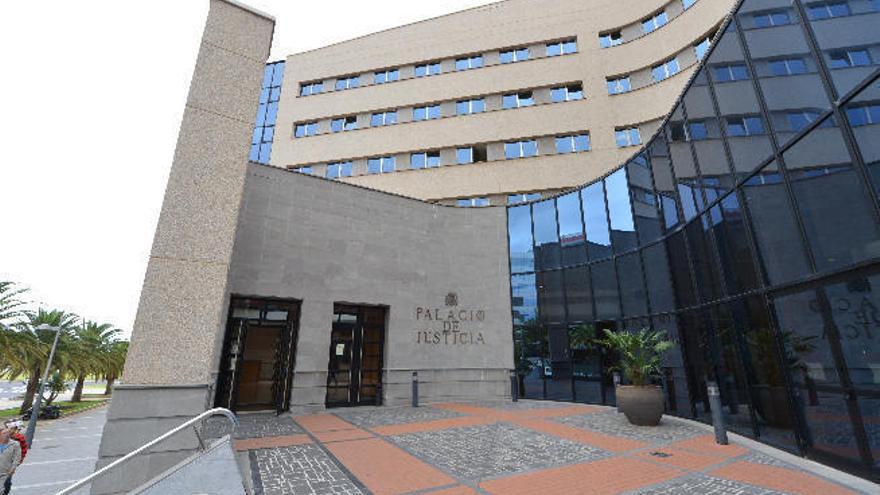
(641, 404)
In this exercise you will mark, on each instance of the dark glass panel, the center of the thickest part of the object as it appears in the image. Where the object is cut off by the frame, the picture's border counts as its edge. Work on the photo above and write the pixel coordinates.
(807, 350)
(837, 214)
(704, 132)
(596, 221)
(664, 182)
(776, 232)
(605, 290)
(586, 363)
(863, 116)
(787, 72)
(657, 278)
(546, 236)
(524, 298)
(519, 230)
(737, 99)
(623, 231)
(632, 285)
(559, 385)
(855, 308)
(729, 370)
(829, 426)
(675, 378)
(731, 240)
(532, 350)
(551, 298)
(685, 170)
(644, 201)
(692, 327)
(855, 36)
(705, 267)
(579, 298)
(869, 407)
(679, 266)
(571, 230)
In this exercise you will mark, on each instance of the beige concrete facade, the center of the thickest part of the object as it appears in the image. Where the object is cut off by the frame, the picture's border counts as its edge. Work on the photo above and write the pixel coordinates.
(486, 31)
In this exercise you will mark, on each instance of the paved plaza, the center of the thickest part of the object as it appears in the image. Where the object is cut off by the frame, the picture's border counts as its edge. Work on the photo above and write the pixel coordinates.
(525, 447)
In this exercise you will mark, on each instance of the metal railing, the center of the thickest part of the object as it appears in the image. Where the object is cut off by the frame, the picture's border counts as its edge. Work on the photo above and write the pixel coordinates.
(131, 455)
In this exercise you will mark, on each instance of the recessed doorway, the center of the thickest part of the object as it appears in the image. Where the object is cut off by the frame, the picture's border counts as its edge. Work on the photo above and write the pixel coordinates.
(256, 369)
(357, 341)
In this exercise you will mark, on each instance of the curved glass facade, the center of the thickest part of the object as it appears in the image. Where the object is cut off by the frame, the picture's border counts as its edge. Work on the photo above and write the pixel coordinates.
(748, 228)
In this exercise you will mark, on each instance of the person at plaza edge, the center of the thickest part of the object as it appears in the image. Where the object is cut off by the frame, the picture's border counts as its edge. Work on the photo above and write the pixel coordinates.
(10, 458)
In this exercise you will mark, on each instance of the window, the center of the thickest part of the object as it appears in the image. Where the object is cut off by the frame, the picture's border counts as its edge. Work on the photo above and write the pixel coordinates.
(383, 118)
(426, 112)
(744, 126)
(267, 113)
(567, 93)
(561, 48)
(665, 70)
(465, 107)
(733, 72)
(470, 154)
(520, 149)
(347, 83)
(344, 124)
(425, 159)
(466, 63)
(305, 129)
(852, 57)
(827, 10)
(619, 85)
(627, 137)
(652, 23)
(311, 88)
(338, 169)
(788, 67)
(517, 100)
(429, 69)
(514, 55)
(693, 131)
(770, 19)
(385, 76)
(515, 199)
(472, 202)
(608, 40)
(701, 48)
(573, 144)
(303, 170)
(863, 115)
(799, 119)
(380, 165)
(688, 3)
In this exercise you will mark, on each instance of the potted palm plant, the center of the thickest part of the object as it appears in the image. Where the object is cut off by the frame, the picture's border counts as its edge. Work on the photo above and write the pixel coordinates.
(640, 356)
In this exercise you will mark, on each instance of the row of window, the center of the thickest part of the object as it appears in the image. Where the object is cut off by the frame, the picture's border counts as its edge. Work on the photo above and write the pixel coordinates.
(432, 111)
(837, 59)
(648, 24)
(433, 68)
(622, 84)
(512, 199)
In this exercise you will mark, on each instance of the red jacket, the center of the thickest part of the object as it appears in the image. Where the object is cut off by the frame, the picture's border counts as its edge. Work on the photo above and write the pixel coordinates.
(21, 440)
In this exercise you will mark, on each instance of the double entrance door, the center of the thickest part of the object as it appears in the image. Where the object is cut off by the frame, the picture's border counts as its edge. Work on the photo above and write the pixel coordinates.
(256, 369)
(354, 373)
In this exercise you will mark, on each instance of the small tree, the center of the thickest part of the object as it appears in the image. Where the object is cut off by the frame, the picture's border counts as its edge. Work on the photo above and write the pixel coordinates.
(641, 353)
(55, 386)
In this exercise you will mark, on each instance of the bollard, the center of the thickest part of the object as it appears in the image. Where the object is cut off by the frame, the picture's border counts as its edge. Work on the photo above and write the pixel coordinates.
(415, 389)
(514, 386)
(717, 413)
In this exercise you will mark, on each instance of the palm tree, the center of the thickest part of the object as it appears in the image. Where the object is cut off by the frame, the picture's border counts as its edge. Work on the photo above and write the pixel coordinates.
(114, 363)
(10, 304)
(91, 350)
(38, 342)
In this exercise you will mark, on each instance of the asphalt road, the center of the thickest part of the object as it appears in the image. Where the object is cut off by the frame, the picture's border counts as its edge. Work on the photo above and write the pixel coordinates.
(64, 451)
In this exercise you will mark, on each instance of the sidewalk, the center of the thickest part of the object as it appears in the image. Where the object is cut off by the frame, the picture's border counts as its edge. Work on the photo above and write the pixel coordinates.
(509, 449)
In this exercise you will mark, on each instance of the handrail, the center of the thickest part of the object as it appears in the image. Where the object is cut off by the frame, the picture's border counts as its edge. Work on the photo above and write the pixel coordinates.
(211, 412)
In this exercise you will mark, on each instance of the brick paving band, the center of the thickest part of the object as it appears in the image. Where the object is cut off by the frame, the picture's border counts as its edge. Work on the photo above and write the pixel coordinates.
(507, 449)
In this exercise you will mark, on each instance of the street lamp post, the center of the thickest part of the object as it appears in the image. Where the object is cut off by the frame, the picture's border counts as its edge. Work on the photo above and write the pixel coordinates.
(38, 400)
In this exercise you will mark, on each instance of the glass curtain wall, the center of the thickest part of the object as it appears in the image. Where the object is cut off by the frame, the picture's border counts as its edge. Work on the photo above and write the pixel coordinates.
(747, 228)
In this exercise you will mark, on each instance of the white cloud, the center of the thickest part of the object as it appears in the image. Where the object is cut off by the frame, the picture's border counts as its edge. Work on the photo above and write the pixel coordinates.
(91, 96)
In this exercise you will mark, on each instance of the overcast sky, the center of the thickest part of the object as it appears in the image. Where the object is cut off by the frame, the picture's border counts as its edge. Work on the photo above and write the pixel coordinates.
(91, 97)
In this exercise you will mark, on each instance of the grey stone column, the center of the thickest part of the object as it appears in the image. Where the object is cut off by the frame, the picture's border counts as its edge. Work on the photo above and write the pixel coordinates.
(181, 313)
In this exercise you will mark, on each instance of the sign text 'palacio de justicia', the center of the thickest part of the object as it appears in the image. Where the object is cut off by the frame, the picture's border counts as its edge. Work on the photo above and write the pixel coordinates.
(450, 325)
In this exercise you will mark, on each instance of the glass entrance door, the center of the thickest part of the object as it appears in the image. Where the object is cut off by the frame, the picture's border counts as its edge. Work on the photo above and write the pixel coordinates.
(354, 372)
(256, 368)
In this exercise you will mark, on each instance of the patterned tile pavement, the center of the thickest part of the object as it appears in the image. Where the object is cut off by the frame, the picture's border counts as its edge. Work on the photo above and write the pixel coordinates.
(494, 448)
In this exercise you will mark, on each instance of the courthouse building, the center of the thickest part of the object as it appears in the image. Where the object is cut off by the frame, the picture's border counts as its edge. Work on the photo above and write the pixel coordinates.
(472, 194)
